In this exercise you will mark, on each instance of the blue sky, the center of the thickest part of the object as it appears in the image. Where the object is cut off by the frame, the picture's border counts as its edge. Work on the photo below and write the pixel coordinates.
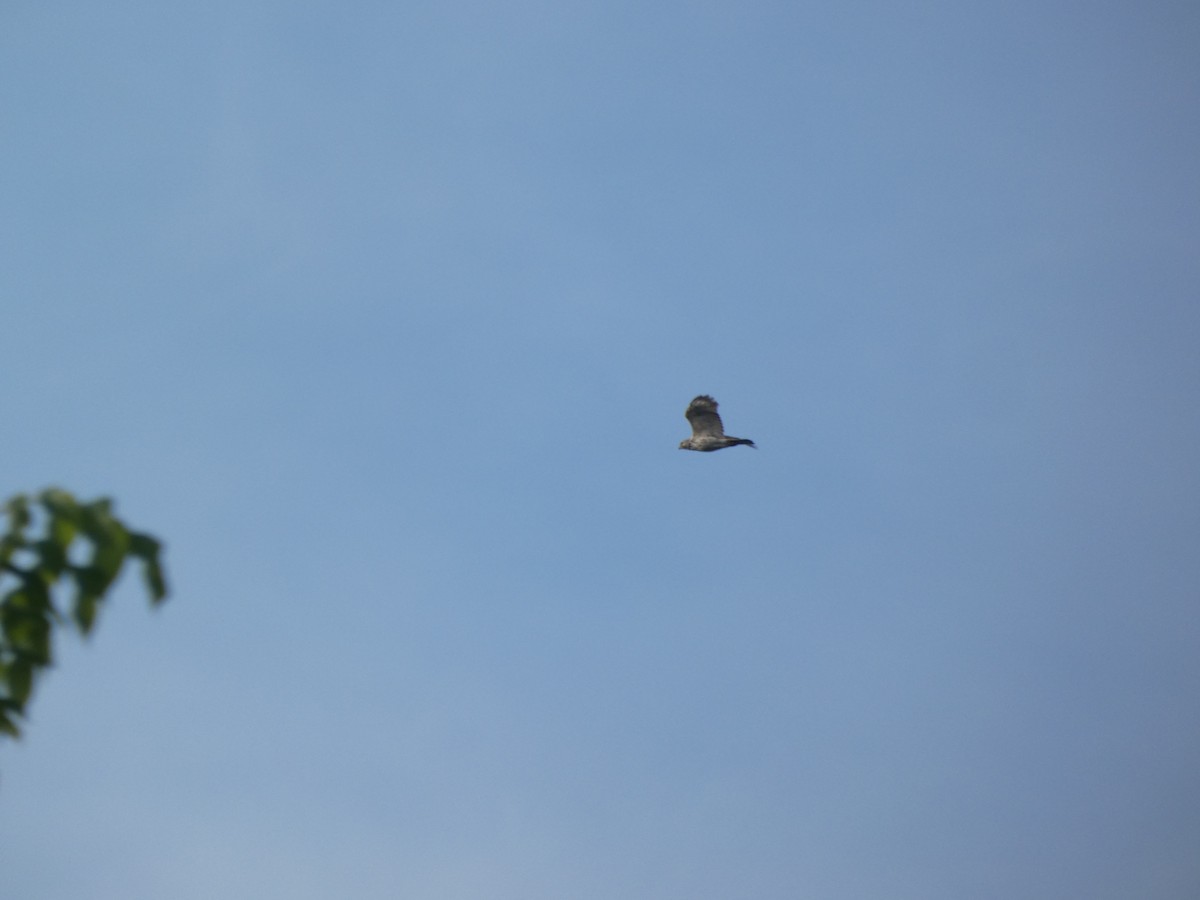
(384, 316)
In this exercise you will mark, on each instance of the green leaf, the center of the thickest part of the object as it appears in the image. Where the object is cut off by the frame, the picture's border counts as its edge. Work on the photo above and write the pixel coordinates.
(145, 546)
(32, 596)
(27, 634)
(61, 505)
(98, 523)
(148, 548)
(84, 611)
(53, 557)
(91, 583)
(35, 593)
(156, 582)
(89, 579)
(37, 562)
(107, 561)
(17, 509)
(19, 680)
(62, 529)
(17, 598)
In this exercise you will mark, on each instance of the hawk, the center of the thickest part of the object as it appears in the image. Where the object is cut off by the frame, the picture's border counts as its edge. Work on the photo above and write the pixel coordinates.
(708, 433)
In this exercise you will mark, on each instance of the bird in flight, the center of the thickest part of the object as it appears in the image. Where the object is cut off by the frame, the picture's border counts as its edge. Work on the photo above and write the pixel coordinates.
(707, 431)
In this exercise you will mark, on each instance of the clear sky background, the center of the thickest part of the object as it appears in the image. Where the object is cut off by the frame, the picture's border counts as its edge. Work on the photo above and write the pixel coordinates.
(385, 315)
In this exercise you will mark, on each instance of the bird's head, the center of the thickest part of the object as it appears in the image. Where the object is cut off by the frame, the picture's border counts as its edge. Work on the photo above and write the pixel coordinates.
(685, 444)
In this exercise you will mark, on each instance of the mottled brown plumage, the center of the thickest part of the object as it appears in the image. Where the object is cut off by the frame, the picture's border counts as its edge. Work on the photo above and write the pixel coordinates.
(708, 433)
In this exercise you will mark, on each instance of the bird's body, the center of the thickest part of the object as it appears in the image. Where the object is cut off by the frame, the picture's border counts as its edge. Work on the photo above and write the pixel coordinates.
(708, 433)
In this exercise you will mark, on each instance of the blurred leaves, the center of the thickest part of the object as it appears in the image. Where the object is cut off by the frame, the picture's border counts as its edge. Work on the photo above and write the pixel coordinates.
(52, 540)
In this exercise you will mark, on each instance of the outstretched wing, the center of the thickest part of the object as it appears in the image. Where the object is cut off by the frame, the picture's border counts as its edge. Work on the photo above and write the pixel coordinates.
(702, 413)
